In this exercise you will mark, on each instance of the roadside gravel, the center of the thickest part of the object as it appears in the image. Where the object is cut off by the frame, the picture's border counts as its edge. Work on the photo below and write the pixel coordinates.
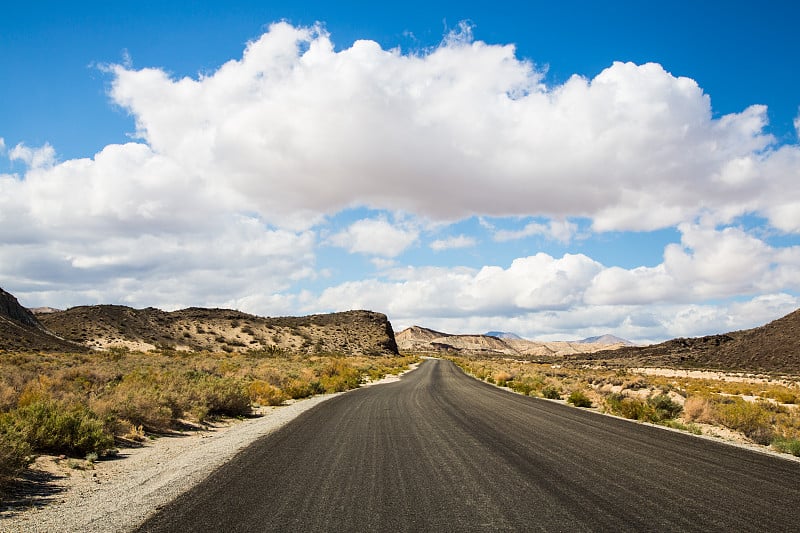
(120, 494)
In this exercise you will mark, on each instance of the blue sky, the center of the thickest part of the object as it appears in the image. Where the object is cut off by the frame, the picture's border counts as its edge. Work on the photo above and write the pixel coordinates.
(559, 170)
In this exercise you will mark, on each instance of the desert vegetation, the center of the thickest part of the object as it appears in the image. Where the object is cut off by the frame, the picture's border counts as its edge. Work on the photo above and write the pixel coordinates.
(87, 404)
(764, 412)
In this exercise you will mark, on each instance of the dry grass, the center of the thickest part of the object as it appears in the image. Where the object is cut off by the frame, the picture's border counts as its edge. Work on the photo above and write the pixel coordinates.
(78, 404)
(698, 409)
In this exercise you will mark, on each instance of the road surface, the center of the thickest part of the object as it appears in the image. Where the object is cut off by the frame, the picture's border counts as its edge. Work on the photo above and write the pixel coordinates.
(440, 451)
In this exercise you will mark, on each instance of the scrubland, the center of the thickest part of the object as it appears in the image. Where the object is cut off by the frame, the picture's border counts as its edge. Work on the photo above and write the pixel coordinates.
(762, 412)
(86, 405)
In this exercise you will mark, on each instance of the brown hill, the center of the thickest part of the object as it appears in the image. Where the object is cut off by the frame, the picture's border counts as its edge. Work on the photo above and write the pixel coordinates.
(774, 347)
(419, 339)
(21, 331)
(106, 326)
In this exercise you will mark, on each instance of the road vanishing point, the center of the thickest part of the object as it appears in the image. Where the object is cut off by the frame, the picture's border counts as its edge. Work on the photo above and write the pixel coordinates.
(441, 451)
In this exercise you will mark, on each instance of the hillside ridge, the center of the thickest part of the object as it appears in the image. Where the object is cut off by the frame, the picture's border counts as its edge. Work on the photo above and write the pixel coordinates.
(214, 329)
(773, 347)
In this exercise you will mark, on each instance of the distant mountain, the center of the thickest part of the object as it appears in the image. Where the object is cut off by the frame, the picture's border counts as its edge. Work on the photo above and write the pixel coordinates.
(503, 335)
(20, 330)
(194, 329)
(774, 347)
(419, 339)
(606, 339)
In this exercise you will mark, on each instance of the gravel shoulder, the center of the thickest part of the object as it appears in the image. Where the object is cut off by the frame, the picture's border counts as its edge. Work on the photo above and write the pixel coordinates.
(119, 494)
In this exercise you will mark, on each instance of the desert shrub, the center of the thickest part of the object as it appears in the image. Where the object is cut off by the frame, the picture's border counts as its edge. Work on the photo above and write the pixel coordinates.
(551, 393)
(523, 387)
(15, 455)
(656, 409)
(502, 377)
(754, 419)
(698, 409)
(131, 432)
(338, 376)
(214, 395)
(579, 399)
(787, 445)
(142, 400)
(299, 388)
(781, 395)
(341, 382)
(52, 427)
(691, 428)
(632, 408)
(265, 394)
(271, 350)
(665, 408)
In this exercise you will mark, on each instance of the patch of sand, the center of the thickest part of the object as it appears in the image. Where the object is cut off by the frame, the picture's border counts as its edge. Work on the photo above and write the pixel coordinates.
(738, 377)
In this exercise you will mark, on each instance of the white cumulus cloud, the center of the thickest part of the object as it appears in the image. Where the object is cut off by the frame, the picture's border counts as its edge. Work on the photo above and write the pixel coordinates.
(297, 129)
(375, 237)
(707, 264)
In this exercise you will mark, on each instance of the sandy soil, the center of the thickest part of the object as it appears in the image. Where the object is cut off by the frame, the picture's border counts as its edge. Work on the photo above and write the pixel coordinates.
(739, 377)
(118, 494)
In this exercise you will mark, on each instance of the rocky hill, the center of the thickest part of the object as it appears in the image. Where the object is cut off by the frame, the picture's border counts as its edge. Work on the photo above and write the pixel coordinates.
(419, 339)
(21, 331)
(606, 339)
(107, 326)
(774, 347)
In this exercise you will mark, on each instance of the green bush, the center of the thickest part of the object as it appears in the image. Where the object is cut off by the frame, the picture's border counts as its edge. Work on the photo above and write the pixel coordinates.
(15, 455)
(784, 445)
(691, 428)
(222, 396)
(579, 399)
(340, 382)
(522, 387)
(656, 409)
(551, 393)
(298, 388)
(664, 407)
(142, 399)
(52, 427)
(265, 393)
(632, 408)
(339, 376)
(754, 419)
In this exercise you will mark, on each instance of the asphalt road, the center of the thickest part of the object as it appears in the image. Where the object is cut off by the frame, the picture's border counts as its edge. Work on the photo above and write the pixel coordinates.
(440, 451)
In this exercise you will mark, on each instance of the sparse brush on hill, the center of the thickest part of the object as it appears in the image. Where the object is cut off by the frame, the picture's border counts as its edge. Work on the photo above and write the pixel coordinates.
(79, 404)
(198, 329)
